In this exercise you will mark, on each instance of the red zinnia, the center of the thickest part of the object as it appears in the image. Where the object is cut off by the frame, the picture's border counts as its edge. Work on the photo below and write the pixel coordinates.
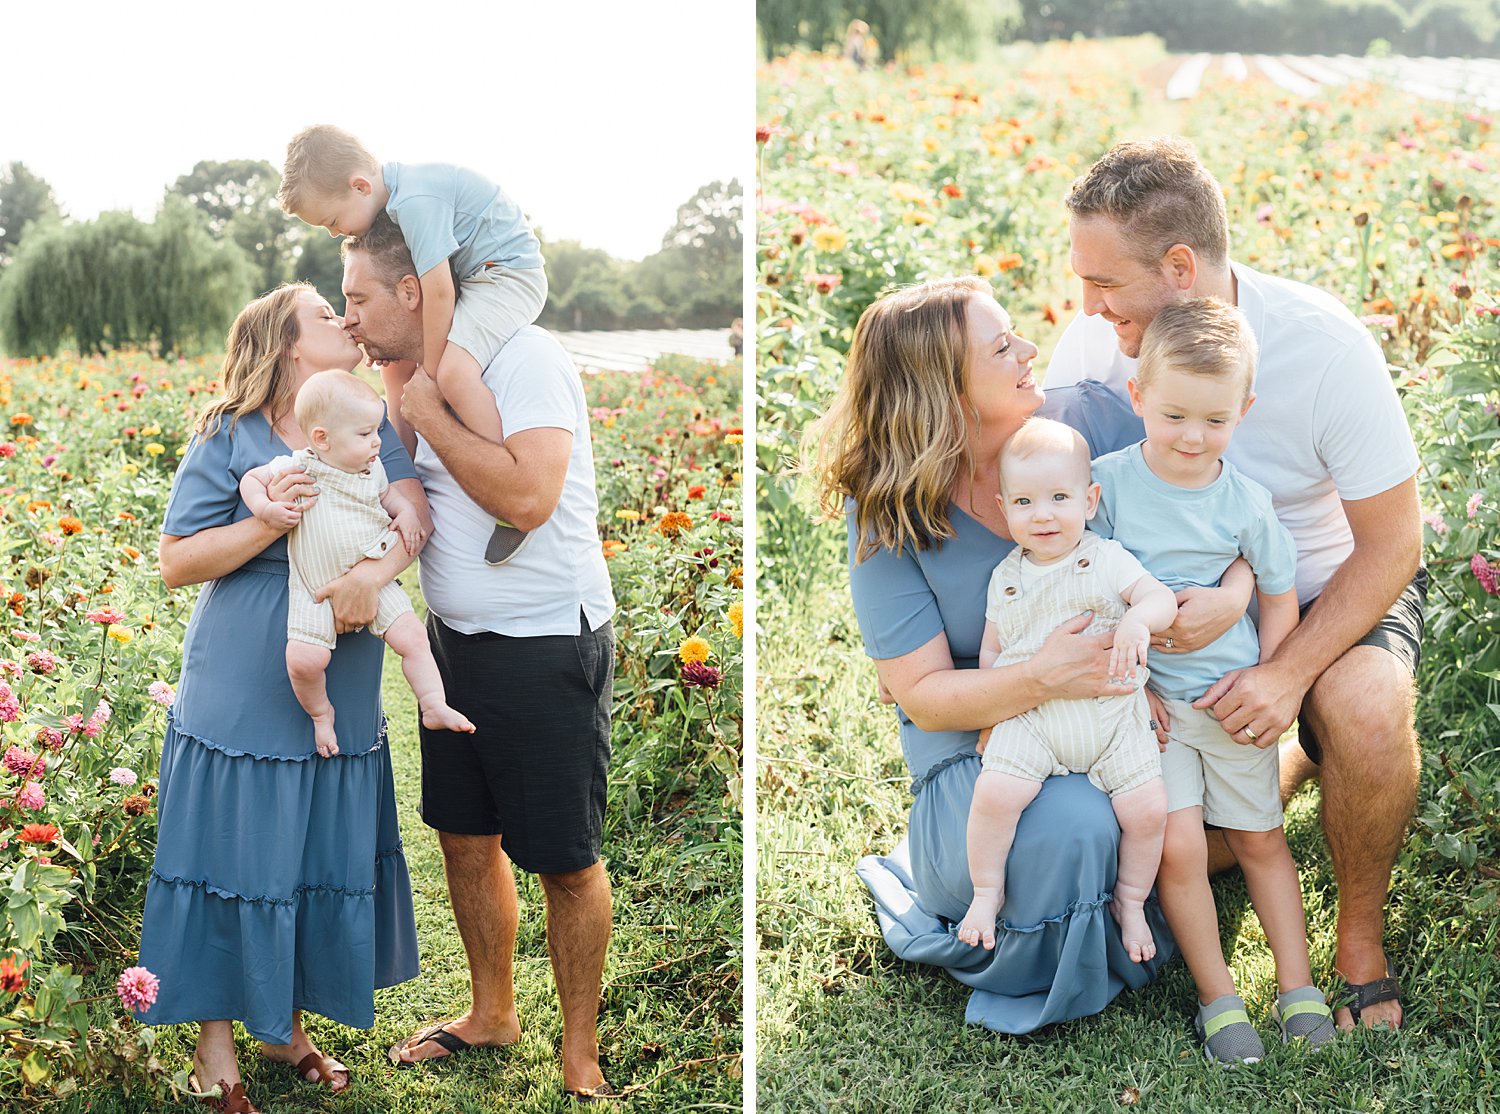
(12, 976)
(38, 833)
(700, 675)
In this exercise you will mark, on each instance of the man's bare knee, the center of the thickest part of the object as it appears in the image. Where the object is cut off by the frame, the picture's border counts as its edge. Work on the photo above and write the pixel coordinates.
(1361, 709)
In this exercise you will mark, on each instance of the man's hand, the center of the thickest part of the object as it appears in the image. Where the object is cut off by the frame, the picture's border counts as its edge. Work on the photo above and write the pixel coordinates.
(354, 597)
(1203, 615)
(409, 526)
(1161, 722)
(421, 400)
(1255, 705)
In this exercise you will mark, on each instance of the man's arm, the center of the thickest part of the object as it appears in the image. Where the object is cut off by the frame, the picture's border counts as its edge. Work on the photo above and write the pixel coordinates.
(519, 481)
(1387, 531)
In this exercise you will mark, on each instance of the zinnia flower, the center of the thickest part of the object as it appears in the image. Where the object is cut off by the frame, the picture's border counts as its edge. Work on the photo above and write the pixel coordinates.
(698, 675)
(106, 615)
(1487, 574)
(31, 796)
(673, 523)
(23, 763)
(694, 649)
(50, 737)
(737, 618)
(70, 525)
(162, 693)
(41, 661)
(1435, 523)
(136, 805)
(13, 975)
(121, 776)
(1475, 502)
(38, 833)
(137, 989)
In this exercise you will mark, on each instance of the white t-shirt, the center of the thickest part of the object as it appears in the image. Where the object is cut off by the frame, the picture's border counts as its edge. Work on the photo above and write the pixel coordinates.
(1326, 424)
(561, 569)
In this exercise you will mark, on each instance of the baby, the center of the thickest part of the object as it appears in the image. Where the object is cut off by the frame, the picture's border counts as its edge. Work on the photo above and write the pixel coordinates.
(1057, 571)
(357, 515)
(447, 215)
(1188, 514)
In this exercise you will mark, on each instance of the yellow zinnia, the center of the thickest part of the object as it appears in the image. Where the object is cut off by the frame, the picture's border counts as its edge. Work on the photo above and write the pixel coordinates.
(156, 448)
(694, 649)
(830, 239)
(737, 618)
(120, 634)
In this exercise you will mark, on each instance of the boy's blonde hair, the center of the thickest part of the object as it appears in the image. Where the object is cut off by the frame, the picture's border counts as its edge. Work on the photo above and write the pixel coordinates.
(329, 394)
(1203, 336)
(1045, 437)
(258, 370)
(319, 163)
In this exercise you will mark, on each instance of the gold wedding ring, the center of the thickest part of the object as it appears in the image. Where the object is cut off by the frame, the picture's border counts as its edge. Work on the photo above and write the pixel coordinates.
(1250, 735)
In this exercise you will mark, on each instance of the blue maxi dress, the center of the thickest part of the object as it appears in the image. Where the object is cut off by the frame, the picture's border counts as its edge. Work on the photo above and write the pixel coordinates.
(279, 882)
(1058, 954)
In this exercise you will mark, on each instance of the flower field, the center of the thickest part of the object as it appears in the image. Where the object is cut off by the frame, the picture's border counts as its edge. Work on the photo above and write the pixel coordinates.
(877, 178)
(90, 648)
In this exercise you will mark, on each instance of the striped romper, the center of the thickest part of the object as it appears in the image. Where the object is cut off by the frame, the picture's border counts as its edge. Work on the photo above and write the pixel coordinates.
(346, 525)
(1107, 737)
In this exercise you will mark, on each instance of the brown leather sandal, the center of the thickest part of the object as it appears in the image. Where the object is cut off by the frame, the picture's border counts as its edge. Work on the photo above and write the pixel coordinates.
(323, 1070)
(231, 1100)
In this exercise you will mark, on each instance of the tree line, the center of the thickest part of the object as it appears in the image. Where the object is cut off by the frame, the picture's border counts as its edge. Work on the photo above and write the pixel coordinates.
(1465, 28)
(219, 238)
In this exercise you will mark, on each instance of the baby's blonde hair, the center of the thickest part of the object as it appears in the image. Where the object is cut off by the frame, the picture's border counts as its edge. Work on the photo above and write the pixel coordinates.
(1045, 437)
(325, 397)
(319, 163)
(1201, 336)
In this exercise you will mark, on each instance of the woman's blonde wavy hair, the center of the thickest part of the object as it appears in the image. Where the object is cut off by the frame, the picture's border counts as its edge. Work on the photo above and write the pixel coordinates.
(895, 437)
(258, 373)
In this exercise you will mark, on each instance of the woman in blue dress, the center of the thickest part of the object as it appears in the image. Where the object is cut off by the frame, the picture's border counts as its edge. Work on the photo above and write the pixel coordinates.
(936, 383)
(279, 883)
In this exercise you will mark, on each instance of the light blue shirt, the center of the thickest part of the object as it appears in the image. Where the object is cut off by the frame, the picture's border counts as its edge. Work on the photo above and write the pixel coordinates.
(1188, 537)
(448, 212)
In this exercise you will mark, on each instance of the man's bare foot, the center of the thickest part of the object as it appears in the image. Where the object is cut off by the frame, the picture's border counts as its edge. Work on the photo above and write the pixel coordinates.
(416, 1049)
(324, 735)
(437, 716)
(978, 927)
(1135, 933)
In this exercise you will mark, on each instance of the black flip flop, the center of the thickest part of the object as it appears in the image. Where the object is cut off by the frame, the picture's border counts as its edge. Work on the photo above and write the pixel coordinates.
(439, 1036)
(1358, 996)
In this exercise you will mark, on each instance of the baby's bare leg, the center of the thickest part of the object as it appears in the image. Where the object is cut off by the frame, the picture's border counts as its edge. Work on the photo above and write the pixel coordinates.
(305, 666)
(999, 800)
(408, 639)
(1142, 813)
(458, 376)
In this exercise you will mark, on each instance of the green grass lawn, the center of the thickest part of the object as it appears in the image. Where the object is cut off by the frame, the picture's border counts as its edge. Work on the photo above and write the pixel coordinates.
(670, 1021)
(843, 1025)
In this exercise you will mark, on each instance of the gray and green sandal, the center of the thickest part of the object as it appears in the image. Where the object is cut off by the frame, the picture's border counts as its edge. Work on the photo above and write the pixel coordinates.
(1303, 1014)
(1224, 1028)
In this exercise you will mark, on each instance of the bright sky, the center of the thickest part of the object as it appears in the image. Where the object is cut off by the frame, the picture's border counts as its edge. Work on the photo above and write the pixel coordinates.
(598, 117)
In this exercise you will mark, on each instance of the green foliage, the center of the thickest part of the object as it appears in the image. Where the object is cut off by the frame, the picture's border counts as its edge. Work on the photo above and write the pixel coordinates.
(24, 198)
(953, 27)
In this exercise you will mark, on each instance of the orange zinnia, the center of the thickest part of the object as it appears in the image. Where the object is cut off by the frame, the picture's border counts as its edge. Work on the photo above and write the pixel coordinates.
(69, 525)
(38, 833)
(673, 523)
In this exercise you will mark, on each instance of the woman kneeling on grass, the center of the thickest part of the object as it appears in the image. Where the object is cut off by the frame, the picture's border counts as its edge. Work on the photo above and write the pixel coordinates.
(279, 883)
(937, 382)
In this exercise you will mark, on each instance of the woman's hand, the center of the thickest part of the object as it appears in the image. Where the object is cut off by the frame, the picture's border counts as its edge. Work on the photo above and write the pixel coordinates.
(1072, 665)
(1203, 615)
(354, 597)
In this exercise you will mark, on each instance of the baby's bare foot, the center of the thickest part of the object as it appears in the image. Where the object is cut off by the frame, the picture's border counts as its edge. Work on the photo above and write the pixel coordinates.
(437, 716)
(1135, 933)
(978, 926)
(324, 736)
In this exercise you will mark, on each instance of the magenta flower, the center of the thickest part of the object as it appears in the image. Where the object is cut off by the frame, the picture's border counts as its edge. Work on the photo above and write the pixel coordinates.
(23, 763)
(137, 989)
(31, 796)
(121, 776)
(41, 661)
(1475, 502)
(697, 674)
(107, 615)
(1487, 574)
(162, 693)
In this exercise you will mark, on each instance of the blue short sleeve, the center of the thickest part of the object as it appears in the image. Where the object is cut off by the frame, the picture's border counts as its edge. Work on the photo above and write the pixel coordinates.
(393, 455)
(1269, 548)
(205, 491)
(426, 223)
(896, 607)
(1107, 424)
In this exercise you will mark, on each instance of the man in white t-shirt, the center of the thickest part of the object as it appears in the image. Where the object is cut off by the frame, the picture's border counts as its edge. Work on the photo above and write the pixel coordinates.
(525, 648)
(1328, 438)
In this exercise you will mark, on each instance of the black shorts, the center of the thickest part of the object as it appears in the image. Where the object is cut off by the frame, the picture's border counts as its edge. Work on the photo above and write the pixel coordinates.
(1399, 632)
(534, 773)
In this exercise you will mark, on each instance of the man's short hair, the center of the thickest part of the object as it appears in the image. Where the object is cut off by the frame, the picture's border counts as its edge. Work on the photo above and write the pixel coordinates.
(1159, 194)
(1200, 336)
(387, 250)
(320, 160)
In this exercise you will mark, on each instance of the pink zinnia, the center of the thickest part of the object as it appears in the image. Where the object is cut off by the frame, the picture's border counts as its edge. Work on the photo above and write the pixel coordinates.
(121, 776)
(162, 693)
(26, 636)
(31, 796)
(23, 763)
(11, 667)
(50, 737)
(107, 615)
(10, 707)
(1487, 574)
(1435, 523)
(41, 661)
(1475, 502)
(137, 989)
(699, 675)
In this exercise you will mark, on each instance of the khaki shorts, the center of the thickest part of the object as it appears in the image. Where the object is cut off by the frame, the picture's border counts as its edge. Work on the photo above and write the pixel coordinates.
(1237, 784)
(495, 303)
(309, 621)
(1108, 739)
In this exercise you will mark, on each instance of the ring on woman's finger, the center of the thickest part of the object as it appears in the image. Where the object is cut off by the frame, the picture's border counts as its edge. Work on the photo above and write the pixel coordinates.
(1168, 644)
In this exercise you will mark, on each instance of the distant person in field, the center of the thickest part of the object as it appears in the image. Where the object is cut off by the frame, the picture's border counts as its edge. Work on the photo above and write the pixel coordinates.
(359, 515)
(526, 651)
(859, 45)
(737, 336)
(1328, 438)
(455, 222)
(279, 881)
